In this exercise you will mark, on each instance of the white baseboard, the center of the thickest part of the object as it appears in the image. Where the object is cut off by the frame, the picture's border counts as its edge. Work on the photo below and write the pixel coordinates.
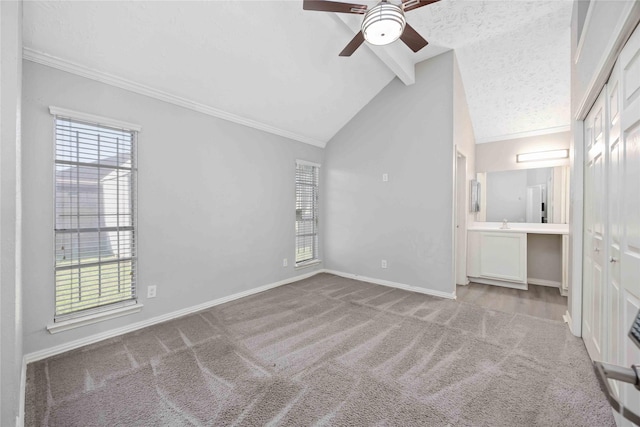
(502, 283)
(23, 391)
(543, 282)
(52, 351)
(382, 282)
(567, 318)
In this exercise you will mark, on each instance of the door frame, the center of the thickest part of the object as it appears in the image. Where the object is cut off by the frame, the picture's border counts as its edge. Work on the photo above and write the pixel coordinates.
(460, 204)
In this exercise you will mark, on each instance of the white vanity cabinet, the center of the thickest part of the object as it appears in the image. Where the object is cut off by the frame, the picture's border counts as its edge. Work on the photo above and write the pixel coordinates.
(497, 258)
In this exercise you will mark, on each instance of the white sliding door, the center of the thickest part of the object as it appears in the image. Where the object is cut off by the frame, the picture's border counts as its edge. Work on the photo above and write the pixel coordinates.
(593, 317)
(614, 229)
(629, 260)
(611, 276)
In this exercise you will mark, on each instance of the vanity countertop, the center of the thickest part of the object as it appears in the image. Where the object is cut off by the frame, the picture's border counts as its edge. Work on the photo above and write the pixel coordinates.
(520, 227)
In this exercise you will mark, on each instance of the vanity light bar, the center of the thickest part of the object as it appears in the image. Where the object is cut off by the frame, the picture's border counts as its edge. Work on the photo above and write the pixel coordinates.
(543, 155)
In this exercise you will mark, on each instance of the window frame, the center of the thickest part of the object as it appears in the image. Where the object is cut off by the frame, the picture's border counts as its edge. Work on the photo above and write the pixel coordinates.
(315, 259)
(118, 308)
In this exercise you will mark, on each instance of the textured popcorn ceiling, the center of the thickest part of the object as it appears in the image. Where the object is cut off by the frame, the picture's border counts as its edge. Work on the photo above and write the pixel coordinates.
(514, 58)
(272, 62)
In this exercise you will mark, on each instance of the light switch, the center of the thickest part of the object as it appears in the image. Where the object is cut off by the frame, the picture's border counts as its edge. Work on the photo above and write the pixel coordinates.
(385, 177)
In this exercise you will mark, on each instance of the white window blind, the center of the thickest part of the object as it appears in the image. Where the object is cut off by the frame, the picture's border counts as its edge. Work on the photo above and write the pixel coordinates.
(95, 256)
(306, 212)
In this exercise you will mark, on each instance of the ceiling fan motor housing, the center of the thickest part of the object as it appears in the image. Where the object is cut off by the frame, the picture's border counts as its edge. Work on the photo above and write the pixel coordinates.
(383, 23)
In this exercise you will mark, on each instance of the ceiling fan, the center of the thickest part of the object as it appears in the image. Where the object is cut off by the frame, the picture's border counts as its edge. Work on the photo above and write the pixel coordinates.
(382, 24)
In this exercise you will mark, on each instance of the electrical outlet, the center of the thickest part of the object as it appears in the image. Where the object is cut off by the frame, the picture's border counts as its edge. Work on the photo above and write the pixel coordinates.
(385, 177)
(384, 263)
(151, 291)
(285, 262)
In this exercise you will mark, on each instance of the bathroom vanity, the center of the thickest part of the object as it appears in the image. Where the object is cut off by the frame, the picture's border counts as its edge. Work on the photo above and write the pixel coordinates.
(498, 256)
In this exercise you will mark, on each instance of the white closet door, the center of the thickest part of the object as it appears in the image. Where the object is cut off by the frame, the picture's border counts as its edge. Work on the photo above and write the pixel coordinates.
(615, 182)
(593, 318)
(611, 282)
(629, 62)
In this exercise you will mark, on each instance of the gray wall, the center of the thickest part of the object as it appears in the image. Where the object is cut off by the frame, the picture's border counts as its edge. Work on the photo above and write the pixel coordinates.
(10, 282)
(407, 132)
(544, 257)
(216, 201)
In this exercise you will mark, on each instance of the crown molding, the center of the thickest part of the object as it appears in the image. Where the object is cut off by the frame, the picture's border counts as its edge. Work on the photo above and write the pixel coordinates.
(122, 83)
(517, 135)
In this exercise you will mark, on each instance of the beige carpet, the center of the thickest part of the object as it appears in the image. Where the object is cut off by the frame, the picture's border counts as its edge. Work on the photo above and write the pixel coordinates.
(326, 351)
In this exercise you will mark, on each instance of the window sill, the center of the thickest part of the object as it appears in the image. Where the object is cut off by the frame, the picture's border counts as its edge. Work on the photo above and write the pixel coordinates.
(65, 325)
(308, 264)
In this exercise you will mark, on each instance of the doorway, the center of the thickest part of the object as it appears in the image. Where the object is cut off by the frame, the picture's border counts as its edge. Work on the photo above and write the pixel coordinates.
(460, 220)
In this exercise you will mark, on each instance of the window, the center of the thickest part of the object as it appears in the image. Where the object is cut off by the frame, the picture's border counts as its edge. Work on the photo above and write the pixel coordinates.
(306, 212)
(95, 257)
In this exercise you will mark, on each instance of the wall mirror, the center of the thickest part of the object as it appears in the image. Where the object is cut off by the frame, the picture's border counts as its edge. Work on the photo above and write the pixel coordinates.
(538, 195)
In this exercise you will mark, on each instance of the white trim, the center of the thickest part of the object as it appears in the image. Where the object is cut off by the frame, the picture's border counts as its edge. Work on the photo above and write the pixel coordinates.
(543, 282)
(307, 163)
(622, 31)
(91, 118)
(77, 322)
(576, 228)
(526, 134)
(503, 283)
(567, 318)
(23, 392)
(388, 283)
(307, 264)
(52, 351)
(122, 83)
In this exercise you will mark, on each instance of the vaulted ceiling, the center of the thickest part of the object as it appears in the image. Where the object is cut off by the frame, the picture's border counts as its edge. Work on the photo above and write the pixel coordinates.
(271, 65)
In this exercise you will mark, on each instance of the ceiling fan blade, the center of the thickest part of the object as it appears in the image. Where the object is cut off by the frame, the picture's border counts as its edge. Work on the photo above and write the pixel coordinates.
(353, 45)
(334, 6)
(411, 38)
(408, 5)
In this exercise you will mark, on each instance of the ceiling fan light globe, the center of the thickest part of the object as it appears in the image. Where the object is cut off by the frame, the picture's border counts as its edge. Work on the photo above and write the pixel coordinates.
(383, 24)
